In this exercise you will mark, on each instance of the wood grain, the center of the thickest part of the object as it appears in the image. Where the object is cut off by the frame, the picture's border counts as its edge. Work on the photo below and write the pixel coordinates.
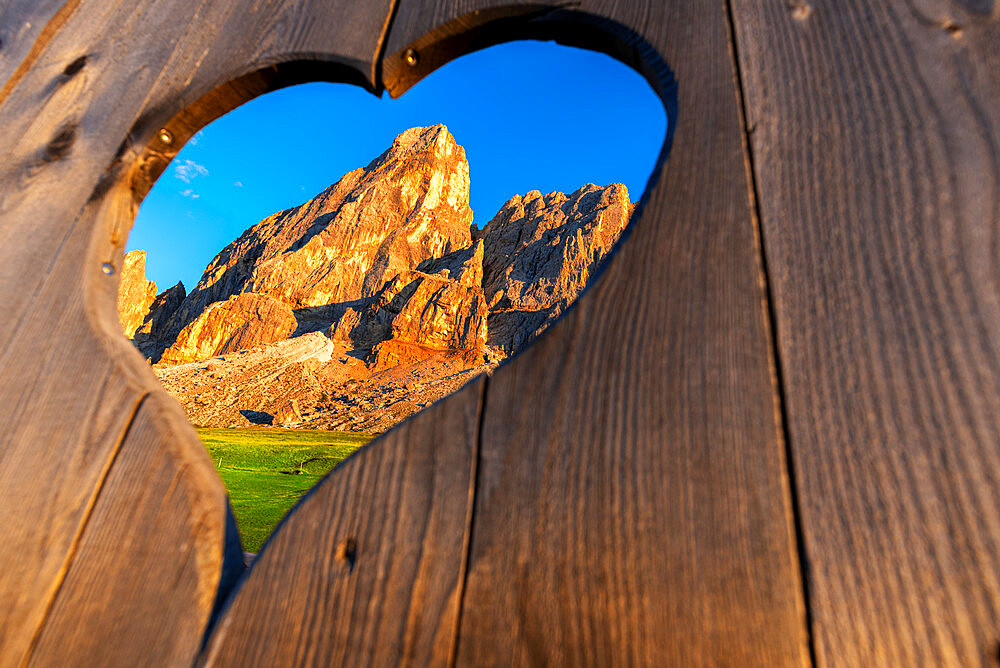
(76, 133)
(627, 498)
(367, 569)
(25, 29)
(876, 147)
(633, 503)
(159, 520)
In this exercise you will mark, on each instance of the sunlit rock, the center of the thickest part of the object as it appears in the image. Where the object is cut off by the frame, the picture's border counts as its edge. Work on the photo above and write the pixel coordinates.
(135, 293)
(241, 322)
(541, 251)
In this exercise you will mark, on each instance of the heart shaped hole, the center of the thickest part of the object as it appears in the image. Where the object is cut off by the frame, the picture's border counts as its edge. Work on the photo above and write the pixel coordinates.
(328, 318)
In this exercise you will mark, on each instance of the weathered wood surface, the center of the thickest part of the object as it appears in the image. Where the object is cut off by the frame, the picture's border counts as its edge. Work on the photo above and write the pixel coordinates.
(139, 536)
(619, 493)
(26, 26)
(632, 505)
(876, 145)
(369, 569)
(101, 83)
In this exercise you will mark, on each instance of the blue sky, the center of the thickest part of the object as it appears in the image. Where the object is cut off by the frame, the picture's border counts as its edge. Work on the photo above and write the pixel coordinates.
(531, 116)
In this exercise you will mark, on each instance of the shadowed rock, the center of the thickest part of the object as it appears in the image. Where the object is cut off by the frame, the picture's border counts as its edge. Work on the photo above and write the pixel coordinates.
(444, 310)
(147, 337)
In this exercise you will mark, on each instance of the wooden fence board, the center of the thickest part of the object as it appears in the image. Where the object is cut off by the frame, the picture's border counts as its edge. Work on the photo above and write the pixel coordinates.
(25, 28)
(619, 492)
(71, 131)
(159, 521)
(876, 145)
(49, 476)
(632, 504)
(367, 570)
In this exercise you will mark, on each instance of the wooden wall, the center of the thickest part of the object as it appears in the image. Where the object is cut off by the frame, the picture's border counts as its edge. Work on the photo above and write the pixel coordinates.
(769, 434)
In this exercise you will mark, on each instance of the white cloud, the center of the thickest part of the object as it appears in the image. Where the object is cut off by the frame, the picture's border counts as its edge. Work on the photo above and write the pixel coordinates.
(188, 170)
(196, 138)
(238, 184)
(189, 192)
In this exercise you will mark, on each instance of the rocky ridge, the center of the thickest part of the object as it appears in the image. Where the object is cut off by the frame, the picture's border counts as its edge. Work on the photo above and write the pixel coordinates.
(244, 321)
(140, 308)
(373, 299)
(540, 253)
(409, 204)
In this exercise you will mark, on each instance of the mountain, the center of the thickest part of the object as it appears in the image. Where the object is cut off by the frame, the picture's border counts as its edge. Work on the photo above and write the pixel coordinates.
(541, 251)
(409, 204)
(373, 299)
(135, 293)
(140, 308)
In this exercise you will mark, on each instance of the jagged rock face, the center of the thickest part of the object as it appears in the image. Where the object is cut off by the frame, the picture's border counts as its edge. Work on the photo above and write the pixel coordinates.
(239, 323)
(433, 311)
(135, 293)
(540, 252)
(408, 205)
(379, 283)
(147, 337)
(444, 310)
(161, 310)
(393, 353)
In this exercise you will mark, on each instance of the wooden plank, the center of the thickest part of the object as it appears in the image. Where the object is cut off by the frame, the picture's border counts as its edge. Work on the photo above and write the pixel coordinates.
(71, 135)
(25, 28)
(50, 476)
(876, 145)
(65, 428)
(633, 504)
(159, 521)
(367, 569)
(427, 36)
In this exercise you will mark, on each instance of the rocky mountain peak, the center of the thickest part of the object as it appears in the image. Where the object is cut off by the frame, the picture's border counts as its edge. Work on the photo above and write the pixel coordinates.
(409, 204)
(380, 282)
(135, 293)
(433, 138)
(540, 252)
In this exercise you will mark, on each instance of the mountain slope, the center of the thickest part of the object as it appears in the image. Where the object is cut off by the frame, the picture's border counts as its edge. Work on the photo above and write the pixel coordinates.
(376, 297)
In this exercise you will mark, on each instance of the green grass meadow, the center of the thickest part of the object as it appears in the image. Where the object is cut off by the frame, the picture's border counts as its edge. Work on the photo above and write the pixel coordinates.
(266, 470)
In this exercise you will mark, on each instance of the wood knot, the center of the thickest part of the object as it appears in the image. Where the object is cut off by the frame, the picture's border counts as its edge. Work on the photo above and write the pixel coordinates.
(74, 68)
(347, 553)
(60, 145)
(952, 28)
